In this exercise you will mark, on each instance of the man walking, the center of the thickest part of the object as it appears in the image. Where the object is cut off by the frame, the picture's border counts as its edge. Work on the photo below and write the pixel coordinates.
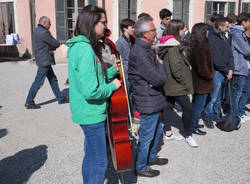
(147, 77)
(44, 44)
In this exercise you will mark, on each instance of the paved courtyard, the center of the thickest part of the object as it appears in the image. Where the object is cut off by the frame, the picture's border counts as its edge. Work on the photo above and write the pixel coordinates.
(44, 147)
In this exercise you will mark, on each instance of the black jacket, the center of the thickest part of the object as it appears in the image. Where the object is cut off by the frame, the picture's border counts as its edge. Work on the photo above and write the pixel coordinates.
(221, 52)
(143, 71)
(43, 46)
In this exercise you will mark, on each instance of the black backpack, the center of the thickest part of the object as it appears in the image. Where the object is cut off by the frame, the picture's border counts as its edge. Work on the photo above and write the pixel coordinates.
(230, 121)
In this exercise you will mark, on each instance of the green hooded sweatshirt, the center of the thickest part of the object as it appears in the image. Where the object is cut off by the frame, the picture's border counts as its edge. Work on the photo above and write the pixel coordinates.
(88, 91)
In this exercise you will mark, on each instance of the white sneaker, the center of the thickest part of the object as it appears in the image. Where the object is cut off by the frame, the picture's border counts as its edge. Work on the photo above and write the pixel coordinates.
(191, 142)
(246, 118)
(242, 120)
(173, 137)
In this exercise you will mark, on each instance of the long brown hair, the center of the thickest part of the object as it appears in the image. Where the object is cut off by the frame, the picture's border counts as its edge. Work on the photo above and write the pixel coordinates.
(174, 28)
(85, 25)
(199, 37)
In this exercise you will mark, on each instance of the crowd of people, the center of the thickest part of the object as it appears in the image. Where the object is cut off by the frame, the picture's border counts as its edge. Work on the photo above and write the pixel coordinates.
(165, 68)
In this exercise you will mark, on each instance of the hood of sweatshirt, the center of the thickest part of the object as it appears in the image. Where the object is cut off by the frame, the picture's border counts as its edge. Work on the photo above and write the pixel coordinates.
(77, 39)
(236, 28)
(165, 43)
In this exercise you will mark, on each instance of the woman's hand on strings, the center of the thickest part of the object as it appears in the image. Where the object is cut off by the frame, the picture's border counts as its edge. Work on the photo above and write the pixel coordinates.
(117, 65)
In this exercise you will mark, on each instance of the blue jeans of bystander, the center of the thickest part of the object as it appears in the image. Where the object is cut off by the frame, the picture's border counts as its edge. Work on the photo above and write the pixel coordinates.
(213, 108)
(238, 84)
(95, 161)
(198, 103)
(42, 73)
(245, 95)
(149, 133)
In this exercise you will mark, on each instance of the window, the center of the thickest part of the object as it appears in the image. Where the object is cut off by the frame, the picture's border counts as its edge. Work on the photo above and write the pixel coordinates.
(7, 20)
(127, 9)
(246, 7)
(219, 8)
(181, 10)
(231, 7)
(92, 2)
(222, 8)
(66, 15)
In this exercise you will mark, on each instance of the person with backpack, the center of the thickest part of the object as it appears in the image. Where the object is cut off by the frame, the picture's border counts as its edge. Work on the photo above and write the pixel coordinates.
(223, 69)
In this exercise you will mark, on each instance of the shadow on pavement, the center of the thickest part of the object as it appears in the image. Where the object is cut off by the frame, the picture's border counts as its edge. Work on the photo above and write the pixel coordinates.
(65, 93)
(3, 132)
(48, 102)
(19, 167)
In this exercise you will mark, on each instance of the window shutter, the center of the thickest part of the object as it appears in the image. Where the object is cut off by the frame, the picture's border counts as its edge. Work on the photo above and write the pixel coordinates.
(33, 15)
(185, 13)
(181, 10)
(133, 8)
(177, 9)
(246, 7)
(92, 2)
(61, 20)
(127, 9)
(231, 7)
(208, 10)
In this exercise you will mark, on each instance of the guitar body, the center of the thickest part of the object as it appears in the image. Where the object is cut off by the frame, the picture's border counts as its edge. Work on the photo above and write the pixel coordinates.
(118, 131)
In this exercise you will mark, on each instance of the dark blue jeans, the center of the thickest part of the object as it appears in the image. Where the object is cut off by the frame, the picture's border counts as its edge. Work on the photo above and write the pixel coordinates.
(149, 133)
(168, 113)
(213, 108)
(95, 160)
(198, 104)
(238, 83)
(244, 97)
(42, 73)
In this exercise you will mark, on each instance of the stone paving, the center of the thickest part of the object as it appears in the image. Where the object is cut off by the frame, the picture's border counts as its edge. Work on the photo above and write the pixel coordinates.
(44, 147)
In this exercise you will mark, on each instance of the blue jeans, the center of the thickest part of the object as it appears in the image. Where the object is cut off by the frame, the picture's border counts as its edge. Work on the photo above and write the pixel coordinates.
(198, 104)
(95, 160)
(213, 108)
(238, 83)
(149, 133)
(244, 97)
(42, 73)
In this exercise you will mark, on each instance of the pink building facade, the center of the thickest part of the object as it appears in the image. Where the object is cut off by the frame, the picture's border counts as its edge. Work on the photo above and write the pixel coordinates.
(21, 16)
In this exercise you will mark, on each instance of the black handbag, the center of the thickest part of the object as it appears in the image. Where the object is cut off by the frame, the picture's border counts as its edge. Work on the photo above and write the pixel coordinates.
(230, 121)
